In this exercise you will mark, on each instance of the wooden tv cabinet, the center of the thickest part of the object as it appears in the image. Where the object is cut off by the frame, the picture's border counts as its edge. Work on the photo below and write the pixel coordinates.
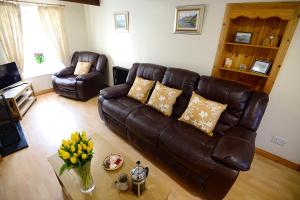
(20, 97)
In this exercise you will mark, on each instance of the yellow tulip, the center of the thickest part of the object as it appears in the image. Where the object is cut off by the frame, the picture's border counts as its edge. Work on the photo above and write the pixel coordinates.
(83, 136)
(79, 147)
(61, 152)
(73, 148)
(65, 143)
(84, 156)
(75, 155)
(66, 155)
(91, 144)
(79, 152)
(88, 149)
(84, 147)
(73, 160)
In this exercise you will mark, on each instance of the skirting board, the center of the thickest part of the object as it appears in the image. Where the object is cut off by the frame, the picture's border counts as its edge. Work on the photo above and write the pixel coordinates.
(44, 91)
(278, 159)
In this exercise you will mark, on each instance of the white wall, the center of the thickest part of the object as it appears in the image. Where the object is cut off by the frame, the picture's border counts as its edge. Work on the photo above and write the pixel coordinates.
(151, 39)
(75, 24)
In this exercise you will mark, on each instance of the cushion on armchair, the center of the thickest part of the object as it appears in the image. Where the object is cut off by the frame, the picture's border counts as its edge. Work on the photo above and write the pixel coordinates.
(82, 68)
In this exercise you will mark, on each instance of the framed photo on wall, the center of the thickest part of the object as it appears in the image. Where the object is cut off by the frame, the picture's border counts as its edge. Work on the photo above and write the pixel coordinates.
(189, 19)
(121, 21)
(261, 66)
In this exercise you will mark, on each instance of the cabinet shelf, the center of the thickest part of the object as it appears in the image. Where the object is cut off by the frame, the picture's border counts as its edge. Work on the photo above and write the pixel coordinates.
(251, 45)
(261, 20)
(244, 72)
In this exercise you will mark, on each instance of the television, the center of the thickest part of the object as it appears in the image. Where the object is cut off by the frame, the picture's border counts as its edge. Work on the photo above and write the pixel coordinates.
(9, 74)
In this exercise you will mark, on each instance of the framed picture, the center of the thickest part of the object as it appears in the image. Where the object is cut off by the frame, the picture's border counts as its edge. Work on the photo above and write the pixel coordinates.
(189, 19)
(121, 22)
(243, 37)
(261, 66)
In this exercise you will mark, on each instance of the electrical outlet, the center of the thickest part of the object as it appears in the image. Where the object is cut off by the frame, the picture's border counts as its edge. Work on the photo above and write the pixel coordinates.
(279, 141)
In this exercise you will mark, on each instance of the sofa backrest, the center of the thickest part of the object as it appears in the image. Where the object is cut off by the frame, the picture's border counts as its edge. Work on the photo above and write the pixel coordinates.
(255, 110)
(98, 61)
(183, 80)
(234, 95)
(145, 71)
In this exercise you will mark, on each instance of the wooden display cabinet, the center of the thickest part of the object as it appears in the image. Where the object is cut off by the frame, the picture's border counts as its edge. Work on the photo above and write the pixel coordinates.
(263, 20)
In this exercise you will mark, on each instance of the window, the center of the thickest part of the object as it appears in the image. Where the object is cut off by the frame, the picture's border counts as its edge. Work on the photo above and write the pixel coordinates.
(37, 42)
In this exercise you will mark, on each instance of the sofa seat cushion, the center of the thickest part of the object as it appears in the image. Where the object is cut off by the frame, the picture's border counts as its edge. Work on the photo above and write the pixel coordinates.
(67, 82)
(148, 123)
(120, 108)
(188, 144)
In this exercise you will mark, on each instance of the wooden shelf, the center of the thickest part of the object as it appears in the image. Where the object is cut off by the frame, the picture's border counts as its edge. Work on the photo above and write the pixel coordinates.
(262, 20)
(20, 98)
(244, 72)
(251, 45)
(24, 97)
(26, 105)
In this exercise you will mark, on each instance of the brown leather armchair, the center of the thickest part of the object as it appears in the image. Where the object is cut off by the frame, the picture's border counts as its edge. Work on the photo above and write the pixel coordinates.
(81, 87)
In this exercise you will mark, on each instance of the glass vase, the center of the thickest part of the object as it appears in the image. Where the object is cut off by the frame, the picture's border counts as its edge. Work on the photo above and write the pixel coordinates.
(86, 180)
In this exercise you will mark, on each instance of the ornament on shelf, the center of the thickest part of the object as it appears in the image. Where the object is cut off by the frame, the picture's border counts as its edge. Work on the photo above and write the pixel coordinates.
(272, 40)
(243, 67)
(228, 62)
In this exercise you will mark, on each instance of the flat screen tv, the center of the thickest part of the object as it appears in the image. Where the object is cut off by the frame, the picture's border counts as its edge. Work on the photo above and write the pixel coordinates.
(9, 74)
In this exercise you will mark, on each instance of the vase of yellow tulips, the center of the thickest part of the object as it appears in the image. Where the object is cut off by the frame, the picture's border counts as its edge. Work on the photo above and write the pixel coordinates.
(77, 154)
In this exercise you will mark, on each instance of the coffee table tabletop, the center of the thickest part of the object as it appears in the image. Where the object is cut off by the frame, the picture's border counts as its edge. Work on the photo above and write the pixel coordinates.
(104, 180)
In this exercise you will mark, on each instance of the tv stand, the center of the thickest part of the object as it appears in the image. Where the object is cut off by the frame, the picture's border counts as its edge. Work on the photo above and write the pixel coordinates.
(20, 97)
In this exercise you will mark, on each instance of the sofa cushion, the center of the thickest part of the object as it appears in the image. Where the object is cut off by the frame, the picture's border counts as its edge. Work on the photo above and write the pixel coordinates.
(202, 113)
(163, 98)
(141, 89)
(234, 95)
(183, 80)
(145, 71)
(148, 123)
(191, 147)
(120, 108)
(67, 82)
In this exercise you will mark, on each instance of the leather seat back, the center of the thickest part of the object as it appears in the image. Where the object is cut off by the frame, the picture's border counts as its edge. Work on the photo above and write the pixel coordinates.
(184, 80)
(234, 95)
(98, 61)
(145, 71)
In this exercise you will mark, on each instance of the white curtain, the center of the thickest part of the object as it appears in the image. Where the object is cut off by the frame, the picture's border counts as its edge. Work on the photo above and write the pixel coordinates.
(11, 36)
(52, 20)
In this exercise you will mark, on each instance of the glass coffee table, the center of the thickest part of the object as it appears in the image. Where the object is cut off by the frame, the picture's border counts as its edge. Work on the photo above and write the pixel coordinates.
(104, 180)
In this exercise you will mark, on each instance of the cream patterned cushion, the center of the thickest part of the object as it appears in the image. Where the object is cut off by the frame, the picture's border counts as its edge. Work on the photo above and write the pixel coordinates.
(202, 113)
(140, 89)
(163, 98)
(82, 68)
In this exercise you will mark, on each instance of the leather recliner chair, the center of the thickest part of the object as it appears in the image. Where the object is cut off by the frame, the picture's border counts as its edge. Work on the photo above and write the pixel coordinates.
(82, 87)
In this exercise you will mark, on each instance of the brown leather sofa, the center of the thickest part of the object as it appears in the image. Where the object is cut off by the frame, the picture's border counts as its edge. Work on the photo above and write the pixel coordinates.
(81, 87)
(210, 164)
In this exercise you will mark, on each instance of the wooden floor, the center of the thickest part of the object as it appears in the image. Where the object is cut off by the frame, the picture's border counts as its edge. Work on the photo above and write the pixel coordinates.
(27, 174)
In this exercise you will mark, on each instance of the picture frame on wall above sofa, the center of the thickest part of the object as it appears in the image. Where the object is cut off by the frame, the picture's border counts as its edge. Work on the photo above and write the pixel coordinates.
(121, 21)
(260, 66)
(189, 19)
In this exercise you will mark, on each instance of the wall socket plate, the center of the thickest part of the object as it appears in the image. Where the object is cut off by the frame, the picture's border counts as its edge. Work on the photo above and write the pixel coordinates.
(279, 141)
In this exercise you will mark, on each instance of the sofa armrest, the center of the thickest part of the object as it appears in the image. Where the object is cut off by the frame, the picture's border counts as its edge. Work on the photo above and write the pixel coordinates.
(88, 76)
(236, 148)
(66, 71)
(115, 91)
